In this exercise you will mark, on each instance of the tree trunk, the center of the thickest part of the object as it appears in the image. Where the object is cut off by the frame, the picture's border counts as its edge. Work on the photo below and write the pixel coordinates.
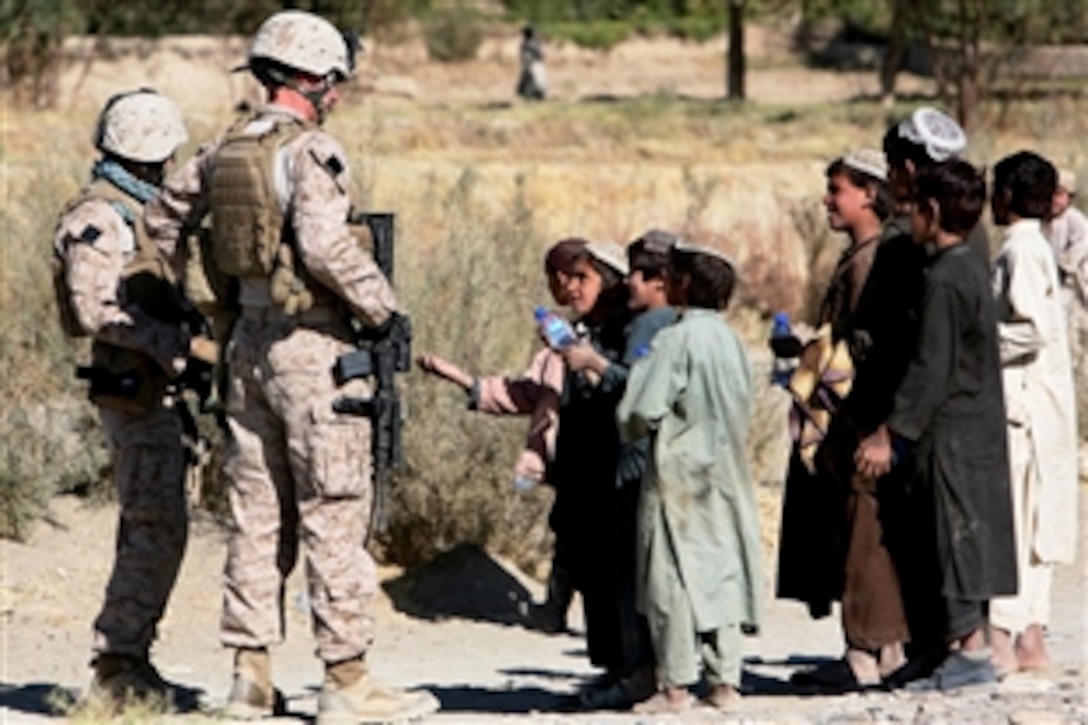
(893, 55)
(735, 80)
(972, 14)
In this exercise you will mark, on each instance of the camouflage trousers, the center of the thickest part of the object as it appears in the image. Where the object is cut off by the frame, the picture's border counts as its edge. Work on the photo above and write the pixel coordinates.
(149, 467)
(299, 473)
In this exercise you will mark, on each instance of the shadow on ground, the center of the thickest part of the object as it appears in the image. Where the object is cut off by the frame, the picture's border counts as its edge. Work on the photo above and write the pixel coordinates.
(464, 582)
(521, 700)
(34, 698)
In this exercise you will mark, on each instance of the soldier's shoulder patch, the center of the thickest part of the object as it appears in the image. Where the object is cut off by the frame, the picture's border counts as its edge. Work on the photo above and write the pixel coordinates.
(90, 234)
(334, 164)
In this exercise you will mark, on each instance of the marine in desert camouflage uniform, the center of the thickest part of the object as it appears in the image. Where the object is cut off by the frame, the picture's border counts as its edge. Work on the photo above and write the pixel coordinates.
(115, 287)
(298, 471)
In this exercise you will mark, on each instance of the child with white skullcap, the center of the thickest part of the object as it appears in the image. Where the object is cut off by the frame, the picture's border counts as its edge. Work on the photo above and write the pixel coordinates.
(922, 139)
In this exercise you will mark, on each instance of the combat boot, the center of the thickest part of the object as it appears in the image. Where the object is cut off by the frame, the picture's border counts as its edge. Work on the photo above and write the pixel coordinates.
(350, 695)
(252, 695)
(122, 678)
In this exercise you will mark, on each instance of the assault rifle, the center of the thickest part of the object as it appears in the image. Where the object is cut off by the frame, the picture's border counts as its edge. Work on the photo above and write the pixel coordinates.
(382, 353)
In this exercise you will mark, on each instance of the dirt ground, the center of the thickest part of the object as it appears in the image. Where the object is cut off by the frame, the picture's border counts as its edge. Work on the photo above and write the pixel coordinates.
(455, 628)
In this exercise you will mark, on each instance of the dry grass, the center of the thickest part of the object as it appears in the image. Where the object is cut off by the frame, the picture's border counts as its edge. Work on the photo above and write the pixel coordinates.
(479, 192)
(131, 711)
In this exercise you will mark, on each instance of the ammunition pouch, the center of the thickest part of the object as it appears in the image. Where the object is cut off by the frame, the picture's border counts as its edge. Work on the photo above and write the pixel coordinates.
(288, 286)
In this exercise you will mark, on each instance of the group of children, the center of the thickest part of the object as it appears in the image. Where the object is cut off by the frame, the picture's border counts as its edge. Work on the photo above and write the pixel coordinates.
(642, 433)
(932, 485)
(943, 489)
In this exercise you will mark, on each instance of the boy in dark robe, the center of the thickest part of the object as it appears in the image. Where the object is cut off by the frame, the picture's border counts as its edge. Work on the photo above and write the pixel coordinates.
(949, 414)
(831, 546)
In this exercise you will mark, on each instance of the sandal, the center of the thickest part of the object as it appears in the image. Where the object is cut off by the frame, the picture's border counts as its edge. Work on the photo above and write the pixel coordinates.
(958, 670)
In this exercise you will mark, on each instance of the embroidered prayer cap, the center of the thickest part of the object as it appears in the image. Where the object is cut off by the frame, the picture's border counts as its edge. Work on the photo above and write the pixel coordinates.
(1067, 180)
(657, 241)
(940, 135)
(140, 125)
(611, 254)
(683, 245)
(868, 161)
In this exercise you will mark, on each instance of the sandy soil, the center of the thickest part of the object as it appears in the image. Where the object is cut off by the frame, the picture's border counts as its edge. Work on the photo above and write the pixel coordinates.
(454, 628)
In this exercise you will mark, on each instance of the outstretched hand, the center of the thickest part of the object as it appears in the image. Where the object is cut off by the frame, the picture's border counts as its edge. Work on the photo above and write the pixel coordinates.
(443, 368)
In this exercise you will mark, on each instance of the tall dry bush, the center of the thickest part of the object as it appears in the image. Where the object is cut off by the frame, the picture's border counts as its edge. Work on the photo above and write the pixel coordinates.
(469, 275)
(768, 284)
(49, 440)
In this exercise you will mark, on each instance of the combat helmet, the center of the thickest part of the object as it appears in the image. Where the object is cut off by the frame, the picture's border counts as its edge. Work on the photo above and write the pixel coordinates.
(142, 126)
(301, 41)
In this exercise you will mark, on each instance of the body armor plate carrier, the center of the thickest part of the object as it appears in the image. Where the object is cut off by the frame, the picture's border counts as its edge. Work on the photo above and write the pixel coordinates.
(247, 223)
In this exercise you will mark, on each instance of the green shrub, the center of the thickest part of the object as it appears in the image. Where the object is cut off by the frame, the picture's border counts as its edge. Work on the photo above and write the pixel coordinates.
(453, 34)
(596, 35)
(698, 29)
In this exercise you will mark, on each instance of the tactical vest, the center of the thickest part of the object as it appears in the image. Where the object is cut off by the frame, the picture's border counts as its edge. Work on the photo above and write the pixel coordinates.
(248, 224)
(251, 236)
(148, 282)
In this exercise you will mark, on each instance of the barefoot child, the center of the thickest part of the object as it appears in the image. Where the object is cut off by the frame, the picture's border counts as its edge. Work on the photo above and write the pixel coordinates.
(832, 544)
(1041, 407)
(698, 529)
(949, 409)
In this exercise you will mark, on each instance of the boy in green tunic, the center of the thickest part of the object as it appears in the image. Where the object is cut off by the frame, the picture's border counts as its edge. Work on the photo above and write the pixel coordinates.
(699, 580)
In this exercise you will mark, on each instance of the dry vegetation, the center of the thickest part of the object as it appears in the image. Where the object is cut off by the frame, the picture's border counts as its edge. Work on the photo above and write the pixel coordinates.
(480, 189)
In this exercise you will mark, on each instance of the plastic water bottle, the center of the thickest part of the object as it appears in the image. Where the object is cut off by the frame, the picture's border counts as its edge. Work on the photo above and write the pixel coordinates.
(524, 483)
(785, 347)
(556, 330)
